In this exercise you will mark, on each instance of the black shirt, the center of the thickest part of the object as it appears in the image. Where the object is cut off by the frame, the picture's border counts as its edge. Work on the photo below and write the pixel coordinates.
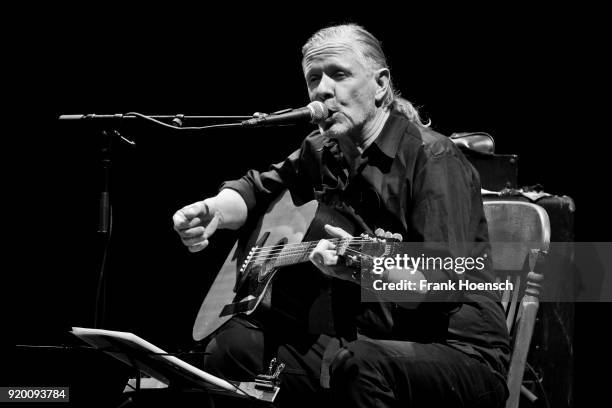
(416, 182)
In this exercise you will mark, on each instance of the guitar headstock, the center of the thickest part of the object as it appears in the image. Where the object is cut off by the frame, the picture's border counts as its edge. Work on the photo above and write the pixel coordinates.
(369, 245)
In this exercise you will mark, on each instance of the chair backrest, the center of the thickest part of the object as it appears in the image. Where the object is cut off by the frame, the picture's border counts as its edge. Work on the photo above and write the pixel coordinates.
(519, 233)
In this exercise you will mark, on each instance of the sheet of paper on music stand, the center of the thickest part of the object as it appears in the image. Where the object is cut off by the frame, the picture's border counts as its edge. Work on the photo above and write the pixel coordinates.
(152, 360)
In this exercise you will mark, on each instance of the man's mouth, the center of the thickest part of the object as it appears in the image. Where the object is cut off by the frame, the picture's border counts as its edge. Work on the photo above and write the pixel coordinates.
(327, 123)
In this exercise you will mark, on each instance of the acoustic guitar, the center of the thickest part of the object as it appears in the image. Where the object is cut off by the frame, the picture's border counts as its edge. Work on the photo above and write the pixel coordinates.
(285, 235)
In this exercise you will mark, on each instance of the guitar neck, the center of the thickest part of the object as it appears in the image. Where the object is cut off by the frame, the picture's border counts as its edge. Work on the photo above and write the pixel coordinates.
(296, 253)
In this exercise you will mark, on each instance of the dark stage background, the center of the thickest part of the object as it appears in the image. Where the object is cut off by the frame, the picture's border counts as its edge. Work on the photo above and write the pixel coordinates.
(520, 79)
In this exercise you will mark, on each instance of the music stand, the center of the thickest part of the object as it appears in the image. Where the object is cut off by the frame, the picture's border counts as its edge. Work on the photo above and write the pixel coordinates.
(170, 370)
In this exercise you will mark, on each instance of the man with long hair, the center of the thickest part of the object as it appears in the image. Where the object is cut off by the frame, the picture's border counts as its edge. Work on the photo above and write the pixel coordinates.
(375, 160)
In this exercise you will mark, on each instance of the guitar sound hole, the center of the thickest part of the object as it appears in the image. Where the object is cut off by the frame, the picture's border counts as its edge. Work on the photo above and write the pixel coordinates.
(263, 271)
(273, 259)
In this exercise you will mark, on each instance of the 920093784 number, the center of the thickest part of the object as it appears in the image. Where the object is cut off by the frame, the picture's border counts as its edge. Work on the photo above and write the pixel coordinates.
(29, 394)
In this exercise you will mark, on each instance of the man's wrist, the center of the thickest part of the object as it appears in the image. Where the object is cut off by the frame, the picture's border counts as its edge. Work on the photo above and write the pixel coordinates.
(211, 206)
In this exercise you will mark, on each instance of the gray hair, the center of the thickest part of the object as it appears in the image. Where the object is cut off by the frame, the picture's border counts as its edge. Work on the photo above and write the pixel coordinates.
(370, 49)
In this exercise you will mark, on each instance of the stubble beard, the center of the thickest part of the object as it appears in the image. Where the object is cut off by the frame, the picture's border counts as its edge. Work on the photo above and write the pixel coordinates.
(344, 129)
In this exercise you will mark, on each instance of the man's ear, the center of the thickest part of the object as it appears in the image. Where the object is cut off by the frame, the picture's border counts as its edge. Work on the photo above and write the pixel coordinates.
(383, 82)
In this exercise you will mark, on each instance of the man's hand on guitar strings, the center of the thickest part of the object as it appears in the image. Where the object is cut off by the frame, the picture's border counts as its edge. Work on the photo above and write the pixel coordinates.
(326, 259)
(195, 223)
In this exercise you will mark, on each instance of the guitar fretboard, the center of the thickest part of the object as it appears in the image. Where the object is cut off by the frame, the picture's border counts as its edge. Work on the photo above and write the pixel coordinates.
(291, 254)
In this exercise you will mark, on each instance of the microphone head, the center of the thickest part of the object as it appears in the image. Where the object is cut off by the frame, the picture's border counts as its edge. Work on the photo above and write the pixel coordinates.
(318, 111)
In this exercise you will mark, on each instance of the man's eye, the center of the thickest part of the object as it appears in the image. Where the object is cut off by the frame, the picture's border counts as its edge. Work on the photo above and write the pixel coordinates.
(339, 74)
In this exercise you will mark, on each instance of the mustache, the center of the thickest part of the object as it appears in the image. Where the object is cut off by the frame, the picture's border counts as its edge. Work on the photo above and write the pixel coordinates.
(332, 106)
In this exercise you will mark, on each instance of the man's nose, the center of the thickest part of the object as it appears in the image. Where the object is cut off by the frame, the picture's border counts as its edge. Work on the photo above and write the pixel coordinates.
(325, 89)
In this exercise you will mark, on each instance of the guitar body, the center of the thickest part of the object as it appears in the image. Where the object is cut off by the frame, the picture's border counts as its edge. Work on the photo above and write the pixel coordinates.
(281, 227)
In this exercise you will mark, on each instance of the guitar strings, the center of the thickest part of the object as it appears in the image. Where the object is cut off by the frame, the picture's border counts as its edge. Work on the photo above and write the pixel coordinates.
(280, 255)
(354, 251)
(283, 250)
(333, 240)
(281, 258)
(357, 239)
(300, 243)
(296, 247)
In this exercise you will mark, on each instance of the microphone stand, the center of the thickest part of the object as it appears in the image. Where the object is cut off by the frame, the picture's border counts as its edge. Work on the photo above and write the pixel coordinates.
(110, 124)
(176, 119)
(105, 222)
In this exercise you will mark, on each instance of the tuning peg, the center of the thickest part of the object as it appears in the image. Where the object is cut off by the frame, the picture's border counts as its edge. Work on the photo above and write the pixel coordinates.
(383, 235)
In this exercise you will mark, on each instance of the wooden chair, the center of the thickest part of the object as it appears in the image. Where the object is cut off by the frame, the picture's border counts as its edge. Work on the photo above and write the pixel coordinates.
(519, 233)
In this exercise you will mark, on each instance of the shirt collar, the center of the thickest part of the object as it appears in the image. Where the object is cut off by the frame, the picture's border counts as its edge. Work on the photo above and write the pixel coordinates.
(389, 138)
(380, 123)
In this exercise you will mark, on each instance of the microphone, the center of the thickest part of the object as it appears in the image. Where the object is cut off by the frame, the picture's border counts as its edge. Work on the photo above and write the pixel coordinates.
(314, 112)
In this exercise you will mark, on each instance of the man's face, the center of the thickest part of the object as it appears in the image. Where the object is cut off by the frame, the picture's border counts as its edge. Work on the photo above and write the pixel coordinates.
(336, 75)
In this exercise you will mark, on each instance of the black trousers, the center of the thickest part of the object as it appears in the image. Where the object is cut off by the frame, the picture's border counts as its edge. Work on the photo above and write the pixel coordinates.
(364, 373)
